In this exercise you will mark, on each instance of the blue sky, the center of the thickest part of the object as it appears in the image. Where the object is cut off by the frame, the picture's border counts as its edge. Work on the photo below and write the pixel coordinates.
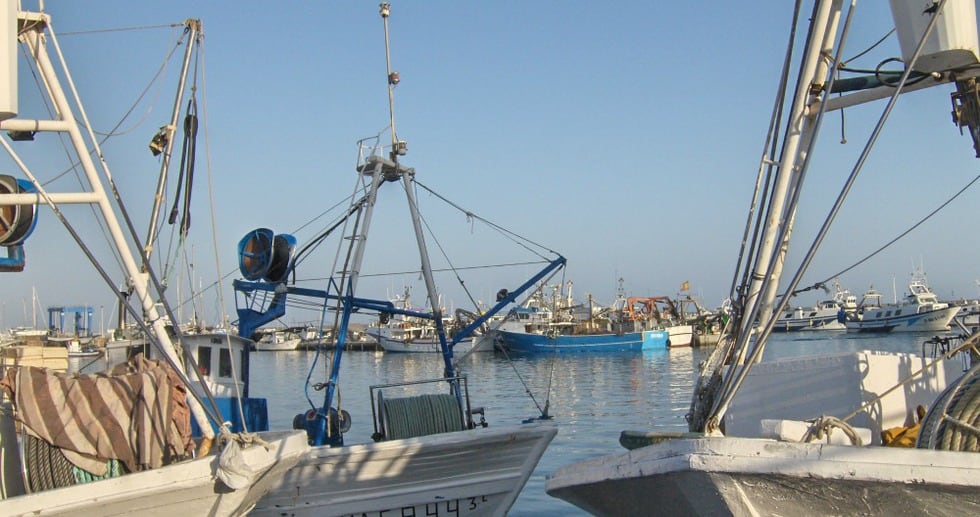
(624, 136)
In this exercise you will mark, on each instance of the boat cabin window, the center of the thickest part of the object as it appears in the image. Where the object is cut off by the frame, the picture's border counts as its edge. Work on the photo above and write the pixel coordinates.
(224, 363)
(204, 360)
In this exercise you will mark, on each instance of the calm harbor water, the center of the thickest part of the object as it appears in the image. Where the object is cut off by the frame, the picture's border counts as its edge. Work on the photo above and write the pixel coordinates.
(590, 397)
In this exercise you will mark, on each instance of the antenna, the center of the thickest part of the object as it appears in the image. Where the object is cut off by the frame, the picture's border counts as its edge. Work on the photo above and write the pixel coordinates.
(398, 147)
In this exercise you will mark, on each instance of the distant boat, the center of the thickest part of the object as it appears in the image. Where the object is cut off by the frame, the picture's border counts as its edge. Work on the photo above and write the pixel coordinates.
(537, 342)
(969, 315)
(661, 312)
(536, 330)
(413, 339)
(826, 315)
(402, 333)
(920, 311)
(278, 341)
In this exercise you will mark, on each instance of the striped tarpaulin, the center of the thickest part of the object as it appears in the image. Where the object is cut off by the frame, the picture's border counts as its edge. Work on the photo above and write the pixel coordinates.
(137, 413)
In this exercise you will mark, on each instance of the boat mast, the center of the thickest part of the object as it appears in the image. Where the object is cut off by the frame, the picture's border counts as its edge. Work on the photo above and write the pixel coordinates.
(66, 122)
(799, 132)
(166, 135)
(399, 148)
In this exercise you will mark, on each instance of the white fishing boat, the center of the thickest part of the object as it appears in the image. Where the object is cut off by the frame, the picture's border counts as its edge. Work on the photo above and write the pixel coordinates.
(802, 436)
(433, 452)
(278, 341)
(410, 339)
(920, 311)
(826, 315)
(401, 333)
(667, 316)
(103, 417)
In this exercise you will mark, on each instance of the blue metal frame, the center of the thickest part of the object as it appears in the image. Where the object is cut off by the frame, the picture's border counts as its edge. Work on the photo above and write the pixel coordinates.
(250, 320)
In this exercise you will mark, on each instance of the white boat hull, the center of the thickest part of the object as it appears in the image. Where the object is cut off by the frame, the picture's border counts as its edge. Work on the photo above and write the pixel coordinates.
(278, 346)
(475, 473)
(182, 489)
(754, 476)
(390, 344)
(745, 474)
(930, 321)
(680, 336)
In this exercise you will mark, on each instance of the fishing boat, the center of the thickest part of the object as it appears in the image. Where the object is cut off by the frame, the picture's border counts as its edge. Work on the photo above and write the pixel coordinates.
(920, 311)
(826, 315)
(408, 334)
(524, 337)
(662, 312)
(278, 341)
(433, 452)
(106, 454)
(791, 436)
(548, 324)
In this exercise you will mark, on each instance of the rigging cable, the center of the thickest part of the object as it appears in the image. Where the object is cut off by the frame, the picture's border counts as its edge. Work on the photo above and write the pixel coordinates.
(894, 240)
(514, 237)
(445, 256)
(527, 390)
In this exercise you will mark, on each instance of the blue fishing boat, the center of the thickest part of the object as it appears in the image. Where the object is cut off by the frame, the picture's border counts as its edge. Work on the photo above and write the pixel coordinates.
(531, 330)
(556, 324)
(524, 342)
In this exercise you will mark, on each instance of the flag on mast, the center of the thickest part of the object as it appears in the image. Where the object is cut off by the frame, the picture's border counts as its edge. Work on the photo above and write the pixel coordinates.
(686, 286)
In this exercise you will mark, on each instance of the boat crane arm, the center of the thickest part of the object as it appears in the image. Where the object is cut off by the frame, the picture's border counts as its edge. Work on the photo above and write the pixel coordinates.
(507, 299)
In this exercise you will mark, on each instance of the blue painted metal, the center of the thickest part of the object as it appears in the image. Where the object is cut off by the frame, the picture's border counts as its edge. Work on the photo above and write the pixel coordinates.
(79, 329)
(255, 314)
(14, 263)
(256, 415)
(24, 223)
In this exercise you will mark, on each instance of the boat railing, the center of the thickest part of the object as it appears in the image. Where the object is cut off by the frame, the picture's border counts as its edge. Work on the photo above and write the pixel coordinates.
(413, 415)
